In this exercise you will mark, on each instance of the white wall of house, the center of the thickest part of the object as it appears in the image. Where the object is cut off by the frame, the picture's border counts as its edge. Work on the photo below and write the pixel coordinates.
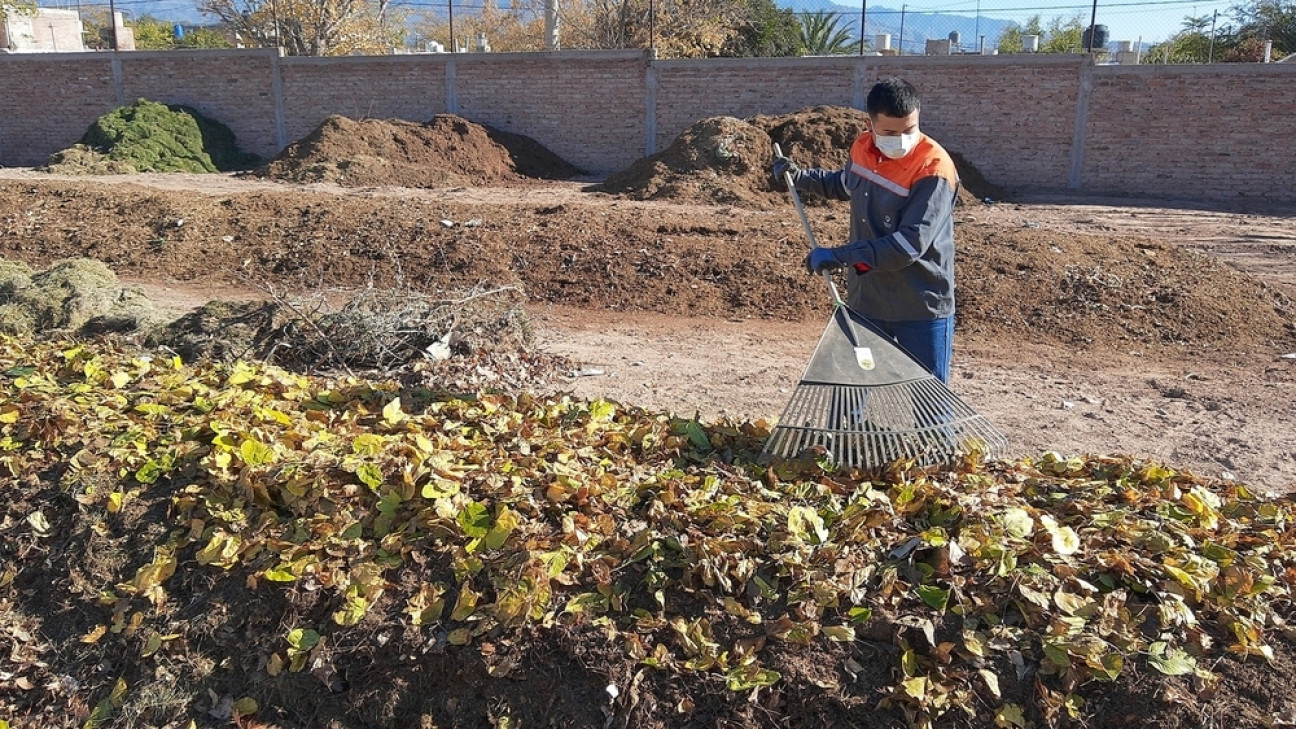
(48, 30)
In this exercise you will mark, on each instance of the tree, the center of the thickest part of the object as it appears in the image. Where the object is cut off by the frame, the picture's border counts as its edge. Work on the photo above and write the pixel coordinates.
(153, 34)
(1012, 40)
(768, 32)
(821, 36)
(1192, 44)
(17, 7)
(1268, 20)
(1064, 35)
(311, 27)
(1246, 50)
(674, 28)
(204, 37)
(520, 28)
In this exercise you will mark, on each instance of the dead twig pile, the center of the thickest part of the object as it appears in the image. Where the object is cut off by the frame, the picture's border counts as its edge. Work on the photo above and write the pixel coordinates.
(480, 338)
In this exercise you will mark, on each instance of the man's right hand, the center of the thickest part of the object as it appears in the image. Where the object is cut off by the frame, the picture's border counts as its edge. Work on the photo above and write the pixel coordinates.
(819, 260)
(784, 165)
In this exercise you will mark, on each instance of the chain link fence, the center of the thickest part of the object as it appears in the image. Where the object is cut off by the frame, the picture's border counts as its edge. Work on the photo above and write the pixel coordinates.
(1153, 31)
(1159, 31)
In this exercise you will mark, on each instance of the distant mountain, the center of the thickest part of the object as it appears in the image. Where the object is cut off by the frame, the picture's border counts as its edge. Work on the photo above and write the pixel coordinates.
(187, 15)
(916, 27)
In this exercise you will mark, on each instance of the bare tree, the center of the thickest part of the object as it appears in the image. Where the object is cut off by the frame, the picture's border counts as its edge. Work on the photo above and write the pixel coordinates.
(311, 27)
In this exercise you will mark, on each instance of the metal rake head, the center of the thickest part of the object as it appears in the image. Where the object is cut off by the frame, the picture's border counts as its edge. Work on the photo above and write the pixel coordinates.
(874, 426)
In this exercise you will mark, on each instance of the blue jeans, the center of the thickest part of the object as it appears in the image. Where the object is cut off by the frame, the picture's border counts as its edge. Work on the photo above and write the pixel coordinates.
(930, 342)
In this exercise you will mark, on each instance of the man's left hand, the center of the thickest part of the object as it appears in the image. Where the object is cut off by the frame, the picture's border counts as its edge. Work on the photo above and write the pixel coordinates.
(820, 260)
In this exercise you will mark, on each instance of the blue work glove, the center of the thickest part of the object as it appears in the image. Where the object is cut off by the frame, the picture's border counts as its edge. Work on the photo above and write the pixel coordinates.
(820, 260)
(782, 165)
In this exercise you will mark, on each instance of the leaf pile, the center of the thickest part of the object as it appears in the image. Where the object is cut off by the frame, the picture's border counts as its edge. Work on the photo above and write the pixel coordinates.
(353, 512)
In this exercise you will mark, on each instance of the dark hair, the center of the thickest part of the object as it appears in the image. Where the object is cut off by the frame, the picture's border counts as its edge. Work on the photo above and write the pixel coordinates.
(893, 97)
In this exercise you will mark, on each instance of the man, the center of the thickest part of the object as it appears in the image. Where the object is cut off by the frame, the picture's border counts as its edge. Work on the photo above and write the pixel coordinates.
(900, 257)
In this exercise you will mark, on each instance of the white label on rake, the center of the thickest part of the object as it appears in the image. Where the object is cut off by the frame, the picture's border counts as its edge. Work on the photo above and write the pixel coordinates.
(864, 358)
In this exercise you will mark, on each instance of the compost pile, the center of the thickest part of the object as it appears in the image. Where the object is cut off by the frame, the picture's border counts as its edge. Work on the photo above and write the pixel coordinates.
(447, 151)
(726, 161)
(151, 137)
(1020, 284)
(720, 160)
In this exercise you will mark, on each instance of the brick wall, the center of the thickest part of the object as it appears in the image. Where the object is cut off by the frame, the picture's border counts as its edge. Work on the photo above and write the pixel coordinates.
(47, 101)
(588, 109)
(1220, 132)
(1012, 117)
(374, 87)
(1041, 123)
(692, 90)
(232, 87)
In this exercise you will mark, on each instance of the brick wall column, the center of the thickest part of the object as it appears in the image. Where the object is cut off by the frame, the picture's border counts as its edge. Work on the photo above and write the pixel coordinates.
(1076, 173)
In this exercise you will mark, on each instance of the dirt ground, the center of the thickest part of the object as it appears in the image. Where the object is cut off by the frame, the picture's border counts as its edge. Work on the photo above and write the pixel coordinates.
(1085, 327)
(702, 308)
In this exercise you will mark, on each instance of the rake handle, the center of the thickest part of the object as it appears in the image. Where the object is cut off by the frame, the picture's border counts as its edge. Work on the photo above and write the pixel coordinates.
(805, 223)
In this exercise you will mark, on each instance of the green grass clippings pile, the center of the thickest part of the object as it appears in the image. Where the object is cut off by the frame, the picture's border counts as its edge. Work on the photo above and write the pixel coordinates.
(148, 136)
(80, 295)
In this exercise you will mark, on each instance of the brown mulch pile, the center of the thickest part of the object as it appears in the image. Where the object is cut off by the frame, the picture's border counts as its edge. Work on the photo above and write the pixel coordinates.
(720, 160)
(445, 152)
(726, 161)
(1043, 285)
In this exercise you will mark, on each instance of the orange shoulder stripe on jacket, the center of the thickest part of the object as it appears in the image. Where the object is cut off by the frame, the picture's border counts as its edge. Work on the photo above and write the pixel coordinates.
(928, 159)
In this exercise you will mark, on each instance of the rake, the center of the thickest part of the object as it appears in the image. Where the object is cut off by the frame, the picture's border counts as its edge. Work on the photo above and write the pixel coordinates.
(868, 403)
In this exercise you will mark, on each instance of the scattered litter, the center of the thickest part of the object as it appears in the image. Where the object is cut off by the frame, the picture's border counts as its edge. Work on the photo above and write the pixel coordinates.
(903, 550)
(1030, 224)
(1290, 355)
(612, 690)
(475, 222)
(1067, 404)
(447, 223)
(588, 372)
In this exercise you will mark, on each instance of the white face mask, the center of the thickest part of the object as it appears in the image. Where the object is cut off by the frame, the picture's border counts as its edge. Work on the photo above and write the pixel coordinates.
(895, 146)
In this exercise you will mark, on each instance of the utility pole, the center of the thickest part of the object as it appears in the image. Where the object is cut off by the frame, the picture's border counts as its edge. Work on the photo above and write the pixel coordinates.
(274, 13)
(1210, 56)
(900, 46)
(652, 30)
(1093, 31)
(863, 20)
(552, 40)
(112, 20)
